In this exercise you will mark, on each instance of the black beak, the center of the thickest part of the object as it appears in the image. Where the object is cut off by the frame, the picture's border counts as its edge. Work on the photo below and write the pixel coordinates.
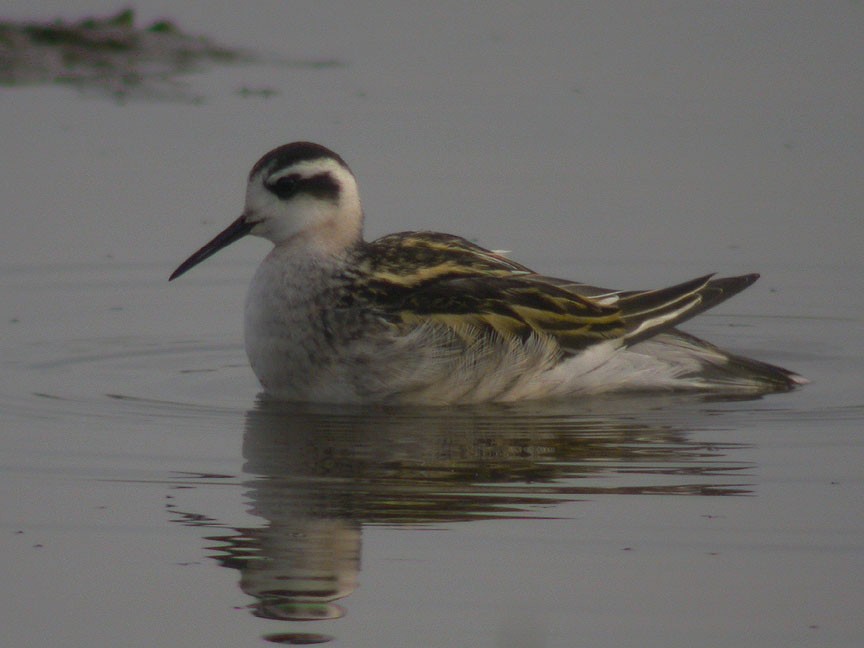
(236, 230)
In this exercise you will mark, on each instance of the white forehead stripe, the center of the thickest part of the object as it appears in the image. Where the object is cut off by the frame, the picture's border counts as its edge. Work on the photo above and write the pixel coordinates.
(306, 169)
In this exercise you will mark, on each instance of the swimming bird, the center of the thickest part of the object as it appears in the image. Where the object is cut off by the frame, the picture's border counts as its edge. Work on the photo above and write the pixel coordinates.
(431, 318)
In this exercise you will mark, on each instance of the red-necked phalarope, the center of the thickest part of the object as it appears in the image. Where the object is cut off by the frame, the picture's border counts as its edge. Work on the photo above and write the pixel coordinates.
(423, 317)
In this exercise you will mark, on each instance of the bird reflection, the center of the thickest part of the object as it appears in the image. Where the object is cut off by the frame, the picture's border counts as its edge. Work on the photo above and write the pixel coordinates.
(317, 474)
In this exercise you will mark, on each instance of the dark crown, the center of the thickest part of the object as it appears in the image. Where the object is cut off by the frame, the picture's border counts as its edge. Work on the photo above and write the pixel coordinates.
(288, 154)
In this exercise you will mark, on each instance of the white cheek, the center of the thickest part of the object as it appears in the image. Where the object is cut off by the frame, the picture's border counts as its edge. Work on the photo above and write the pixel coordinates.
(279, 221)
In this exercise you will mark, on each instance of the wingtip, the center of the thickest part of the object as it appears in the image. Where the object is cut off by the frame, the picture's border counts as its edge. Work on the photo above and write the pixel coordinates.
(730, 286)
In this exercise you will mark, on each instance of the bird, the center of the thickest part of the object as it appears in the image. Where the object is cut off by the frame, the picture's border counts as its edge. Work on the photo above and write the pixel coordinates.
(428, 318)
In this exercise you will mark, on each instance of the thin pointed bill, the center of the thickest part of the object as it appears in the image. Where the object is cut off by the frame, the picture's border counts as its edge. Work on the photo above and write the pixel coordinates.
(236, 230)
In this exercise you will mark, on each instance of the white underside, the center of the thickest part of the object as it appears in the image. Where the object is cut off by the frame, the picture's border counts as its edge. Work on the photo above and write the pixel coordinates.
(417, 368)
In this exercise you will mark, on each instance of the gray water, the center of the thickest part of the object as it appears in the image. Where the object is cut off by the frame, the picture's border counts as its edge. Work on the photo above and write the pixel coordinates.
(150, 497)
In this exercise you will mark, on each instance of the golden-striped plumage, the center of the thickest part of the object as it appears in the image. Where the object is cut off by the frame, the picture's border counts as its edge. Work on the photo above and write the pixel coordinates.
(420, 277)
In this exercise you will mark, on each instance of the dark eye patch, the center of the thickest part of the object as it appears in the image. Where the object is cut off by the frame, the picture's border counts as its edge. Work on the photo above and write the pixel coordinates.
(322, 186)
(286, 186)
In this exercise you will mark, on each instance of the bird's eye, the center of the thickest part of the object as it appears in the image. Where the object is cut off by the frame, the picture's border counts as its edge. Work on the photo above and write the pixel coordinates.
(285, 187)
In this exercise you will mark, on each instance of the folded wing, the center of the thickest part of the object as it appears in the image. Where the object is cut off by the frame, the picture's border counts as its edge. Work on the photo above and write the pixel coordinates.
(441, 279)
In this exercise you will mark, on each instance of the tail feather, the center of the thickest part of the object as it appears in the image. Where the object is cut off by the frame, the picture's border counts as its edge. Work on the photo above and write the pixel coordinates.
(703, 364)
